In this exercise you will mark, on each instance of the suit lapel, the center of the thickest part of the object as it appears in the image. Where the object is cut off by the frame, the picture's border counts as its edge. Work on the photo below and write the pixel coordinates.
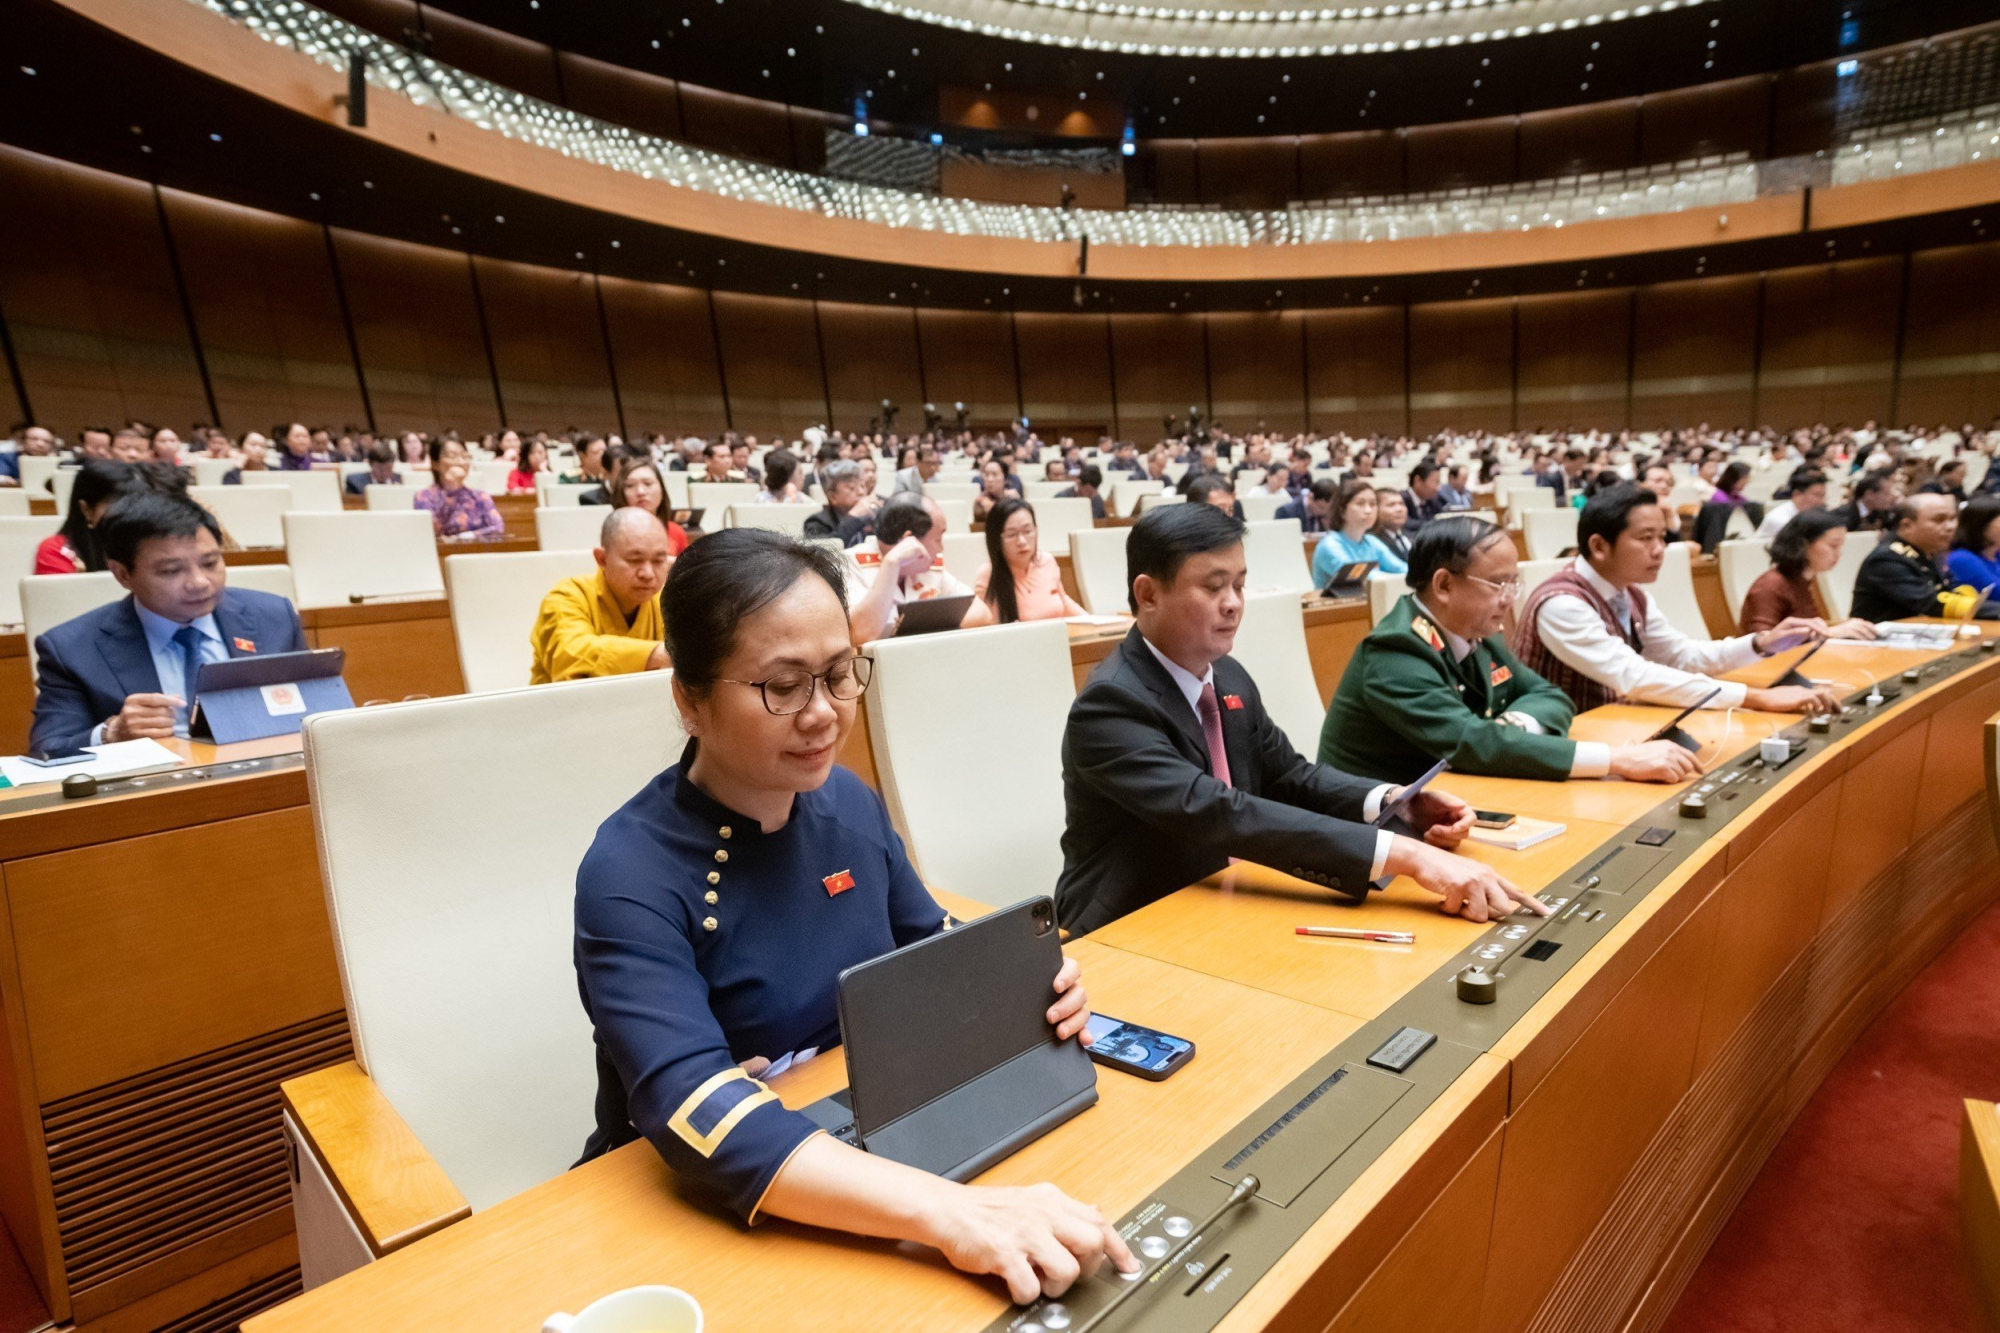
(1172, 702)
(122, 644)
(232, 626)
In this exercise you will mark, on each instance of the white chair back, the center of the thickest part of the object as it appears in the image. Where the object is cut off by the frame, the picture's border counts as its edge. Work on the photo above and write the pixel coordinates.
(253, 517)
(14, 502)
(211, 471)
(1383, 590)
(1532, 573)
(1097, 560)
(47, 600)
(1739, 563)
(1674, 594)
(1262, 507)
(62, 483)
(490, 477)
(1274, 556)
(1126, 490)
(940, 763)
(1836, 585)
(945, 492)
(1057, 519)
(494, 599)
(37, 471)
(455, 948)
(1034, 492)
(1549, 532)
(391, 496)
(338, 558)
(557, 495)
(957, 515)
(314, 492)
(1155, 499)
(778, 518)
(964, 555)
(715, 498)
(572, 527)
(1520, 501)
(1271, 645)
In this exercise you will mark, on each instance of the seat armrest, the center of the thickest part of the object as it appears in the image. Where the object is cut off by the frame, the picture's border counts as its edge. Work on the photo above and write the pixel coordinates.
(391, 1189)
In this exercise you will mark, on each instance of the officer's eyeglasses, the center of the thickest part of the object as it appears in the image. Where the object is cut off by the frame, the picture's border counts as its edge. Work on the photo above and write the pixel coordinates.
(791, 692)
(1506, 587)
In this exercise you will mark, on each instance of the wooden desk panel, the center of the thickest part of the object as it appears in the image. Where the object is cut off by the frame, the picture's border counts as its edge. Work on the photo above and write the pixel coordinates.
(17, 693)
(394, 649)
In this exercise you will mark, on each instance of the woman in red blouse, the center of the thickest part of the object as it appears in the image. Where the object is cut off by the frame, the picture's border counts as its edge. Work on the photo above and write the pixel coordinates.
(531, 456)
(640, 486)
(72, 548)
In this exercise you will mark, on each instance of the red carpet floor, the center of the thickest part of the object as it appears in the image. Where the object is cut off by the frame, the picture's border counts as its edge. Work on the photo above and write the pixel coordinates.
(1853, 1223)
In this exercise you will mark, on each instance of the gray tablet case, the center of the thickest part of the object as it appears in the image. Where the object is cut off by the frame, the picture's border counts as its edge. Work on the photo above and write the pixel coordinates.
(952, 1065)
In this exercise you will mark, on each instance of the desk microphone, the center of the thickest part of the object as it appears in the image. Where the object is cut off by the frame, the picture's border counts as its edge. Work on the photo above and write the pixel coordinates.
(357, 598)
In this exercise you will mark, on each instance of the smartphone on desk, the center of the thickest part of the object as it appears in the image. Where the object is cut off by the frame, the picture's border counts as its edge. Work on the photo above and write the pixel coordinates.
(59, 758)
(1136, 1050)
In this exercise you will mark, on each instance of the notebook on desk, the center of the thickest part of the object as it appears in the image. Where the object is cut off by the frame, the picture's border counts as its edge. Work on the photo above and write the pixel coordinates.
(974, 1072)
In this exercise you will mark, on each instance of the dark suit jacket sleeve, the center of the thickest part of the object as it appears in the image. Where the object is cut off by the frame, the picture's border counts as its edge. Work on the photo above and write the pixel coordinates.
(63, 714)
(1115, 744)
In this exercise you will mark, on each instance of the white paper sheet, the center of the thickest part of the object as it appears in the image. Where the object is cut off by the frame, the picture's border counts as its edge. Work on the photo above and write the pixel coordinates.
(119, 759)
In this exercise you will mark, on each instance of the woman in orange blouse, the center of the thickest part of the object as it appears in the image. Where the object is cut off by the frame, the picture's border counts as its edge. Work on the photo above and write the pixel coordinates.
(1807, 546)
(1028, 584)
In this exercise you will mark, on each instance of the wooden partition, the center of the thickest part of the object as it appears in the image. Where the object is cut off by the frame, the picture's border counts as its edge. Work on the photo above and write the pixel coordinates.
(1950, 369)
(1465, 152)
(1066, 370)
(1829, 342)
(771, 362)
(1571, 356)
(1160, 369)
(548, 346)
(1695, 352)
(871, 354)
(969, 358)
(663, 352)
(1462, 366)
(1355, 363)
(1256, 369)
(417, 330)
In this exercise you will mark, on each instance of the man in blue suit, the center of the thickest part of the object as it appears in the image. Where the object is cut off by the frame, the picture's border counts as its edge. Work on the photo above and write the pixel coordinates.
(125, 671)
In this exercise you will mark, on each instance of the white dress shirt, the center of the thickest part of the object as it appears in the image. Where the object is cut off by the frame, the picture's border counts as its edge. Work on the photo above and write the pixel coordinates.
(1674, 669)
(1190, 685)
(1592, 758)
(1775, 518)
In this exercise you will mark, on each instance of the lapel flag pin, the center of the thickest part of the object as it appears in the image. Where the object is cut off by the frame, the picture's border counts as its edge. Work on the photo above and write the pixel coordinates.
(838, 883)
(245, 645)
(1232, 701)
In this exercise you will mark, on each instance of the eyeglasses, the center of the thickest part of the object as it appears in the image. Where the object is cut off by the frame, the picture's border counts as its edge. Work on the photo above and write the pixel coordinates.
(1506, 587)
(791, 692)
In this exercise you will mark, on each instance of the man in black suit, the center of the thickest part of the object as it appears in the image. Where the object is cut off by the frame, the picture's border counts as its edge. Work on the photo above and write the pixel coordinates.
(1873, 508)
(1153, 807)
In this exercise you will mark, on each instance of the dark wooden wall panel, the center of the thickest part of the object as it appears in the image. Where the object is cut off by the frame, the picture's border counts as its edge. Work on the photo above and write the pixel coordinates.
(1829, 350)
(417, 326)
(1248, 173)
(669, 380)
(622, 96)
(1695, 353)
(871, 354)
(1159, 370)
(89, 295)
(969, 358)
(1951, 345)
(1354, 370)
(268, 315)
(1600, 137)
(770, 359)
(548, 346)
(1470, 152)
(1364, 162)
(1733, 116)
(1066, 374)
(1257, 370)
(1572, 358)
(1462, 366)
(743, 126)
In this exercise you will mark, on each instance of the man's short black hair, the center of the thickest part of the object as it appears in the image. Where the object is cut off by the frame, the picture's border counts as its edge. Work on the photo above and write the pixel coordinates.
(1167, 535)
(1804, 478)
(1203, 486)
(144, 515)
(1609, 512)
(1874, 481)
(1423, 471)
(1326, 490)
(903, 516)
(1089, 475)
(1448, 542)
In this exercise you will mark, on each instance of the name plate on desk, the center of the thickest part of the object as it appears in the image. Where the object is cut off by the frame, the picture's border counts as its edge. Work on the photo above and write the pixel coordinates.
(250, 698)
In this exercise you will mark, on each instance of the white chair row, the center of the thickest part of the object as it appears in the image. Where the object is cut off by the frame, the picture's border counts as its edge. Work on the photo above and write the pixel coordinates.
(1274, 554)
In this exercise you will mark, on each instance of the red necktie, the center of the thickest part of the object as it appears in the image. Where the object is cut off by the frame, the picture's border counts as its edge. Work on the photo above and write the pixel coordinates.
(1211, 730)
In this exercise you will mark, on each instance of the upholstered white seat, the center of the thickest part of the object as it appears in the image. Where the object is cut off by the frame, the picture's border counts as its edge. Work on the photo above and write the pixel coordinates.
(1836, 585)
(391, 496)
(315, 492)
(1532, 573)
(1271, 645)
(14, 502)
(1057, 519)
(943, 765)
(494, 600)
(715, 497)
(252, 517)
(1383, 590)
(18, 539)
(37, 470)
(1522, 499)
(47, 600)
(964, 555)
(957, 515)
(1274, 556)
(62, 483)
(1154, 499)
(556, 494)
(779, 518)
(490, 477)
(1126, 490)
(1674, 593)
(1097, 559)
(1548, 532)
(944, 491)
(337, 558)
(1740, 563)
(211, 471)
(1034, 492)
(574, 528)
(454, 948)
(1262, 507)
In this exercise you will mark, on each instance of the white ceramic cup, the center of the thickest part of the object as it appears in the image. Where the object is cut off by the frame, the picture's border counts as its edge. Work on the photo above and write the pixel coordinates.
(633, 1310)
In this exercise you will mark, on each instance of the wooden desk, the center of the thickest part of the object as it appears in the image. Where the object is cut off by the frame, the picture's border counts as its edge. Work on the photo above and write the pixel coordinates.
(395, 650)
(166, 963)
(1570, 1179)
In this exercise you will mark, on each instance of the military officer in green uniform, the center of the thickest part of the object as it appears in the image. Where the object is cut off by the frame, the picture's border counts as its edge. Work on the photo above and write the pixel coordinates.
(1902, 577)
(1435, 680)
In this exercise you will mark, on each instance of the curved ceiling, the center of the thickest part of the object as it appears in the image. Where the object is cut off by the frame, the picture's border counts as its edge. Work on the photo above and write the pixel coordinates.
(1246, 28)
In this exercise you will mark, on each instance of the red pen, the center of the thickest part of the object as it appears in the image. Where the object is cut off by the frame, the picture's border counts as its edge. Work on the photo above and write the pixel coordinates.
(1372, 936)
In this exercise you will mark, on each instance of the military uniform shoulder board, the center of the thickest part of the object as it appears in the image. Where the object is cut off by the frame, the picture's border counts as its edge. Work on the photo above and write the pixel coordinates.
(1423, 629)
(1906, 550)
